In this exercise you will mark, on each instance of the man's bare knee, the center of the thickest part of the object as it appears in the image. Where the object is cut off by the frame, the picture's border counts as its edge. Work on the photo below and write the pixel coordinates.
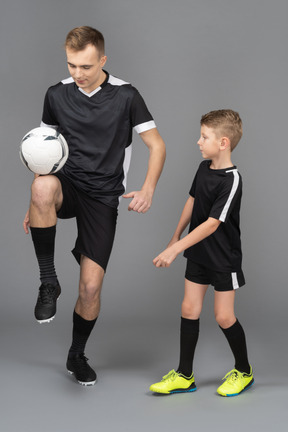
(45, 191)
(89, 291)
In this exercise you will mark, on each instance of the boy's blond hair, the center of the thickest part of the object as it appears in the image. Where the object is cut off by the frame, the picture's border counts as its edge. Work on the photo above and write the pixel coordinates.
(78, 38)
(225, 122)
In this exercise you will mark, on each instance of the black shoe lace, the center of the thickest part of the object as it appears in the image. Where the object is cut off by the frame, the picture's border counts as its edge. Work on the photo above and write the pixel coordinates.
(82, 362)
(47, 294)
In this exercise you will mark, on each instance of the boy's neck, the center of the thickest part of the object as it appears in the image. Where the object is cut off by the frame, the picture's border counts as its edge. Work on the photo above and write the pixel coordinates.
(222, 162)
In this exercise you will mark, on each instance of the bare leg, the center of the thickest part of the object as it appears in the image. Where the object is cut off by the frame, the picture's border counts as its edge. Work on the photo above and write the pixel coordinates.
(46, 199)
(90, 285)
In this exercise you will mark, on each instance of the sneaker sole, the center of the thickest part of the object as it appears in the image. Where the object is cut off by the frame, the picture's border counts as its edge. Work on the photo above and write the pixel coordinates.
(183, 391)
(236, 394)
(83, 383)
(46, 321)
(188, 390)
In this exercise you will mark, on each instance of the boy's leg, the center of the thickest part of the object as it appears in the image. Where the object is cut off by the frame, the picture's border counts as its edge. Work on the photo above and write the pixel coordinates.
(240, 378)
(232, 329)
(183, 379)
(191, 309)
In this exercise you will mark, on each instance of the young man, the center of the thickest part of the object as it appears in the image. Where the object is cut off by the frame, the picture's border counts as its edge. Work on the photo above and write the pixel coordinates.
(96, 113)
(213, 252)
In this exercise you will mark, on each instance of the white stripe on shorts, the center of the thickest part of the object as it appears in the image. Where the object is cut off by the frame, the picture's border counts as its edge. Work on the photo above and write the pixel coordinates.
(235, 283)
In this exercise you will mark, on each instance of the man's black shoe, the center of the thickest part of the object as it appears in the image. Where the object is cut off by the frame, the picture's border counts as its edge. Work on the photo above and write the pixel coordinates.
(77, 365)
(45, 308)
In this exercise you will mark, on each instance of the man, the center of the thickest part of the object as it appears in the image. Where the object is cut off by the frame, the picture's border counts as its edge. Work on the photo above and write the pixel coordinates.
(96, 113)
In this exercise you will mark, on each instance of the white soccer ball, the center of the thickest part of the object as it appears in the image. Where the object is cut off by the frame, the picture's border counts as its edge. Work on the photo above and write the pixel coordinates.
(43, 150)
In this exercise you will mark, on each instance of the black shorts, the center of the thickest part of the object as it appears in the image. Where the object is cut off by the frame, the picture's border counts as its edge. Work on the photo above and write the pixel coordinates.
(220, 280)
(96, 223)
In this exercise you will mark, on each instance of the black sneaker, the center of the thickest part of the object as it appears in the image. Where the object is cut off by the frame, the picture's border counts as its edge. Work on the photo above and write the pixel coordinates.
(77, 365)
(45, 308)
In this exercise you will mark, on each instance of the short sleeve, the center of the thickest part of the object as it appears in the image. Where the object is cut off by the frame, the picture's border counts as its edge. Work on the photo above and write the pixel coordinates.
(229, 195)
(193, 187)
(141, 118)
(48, 116)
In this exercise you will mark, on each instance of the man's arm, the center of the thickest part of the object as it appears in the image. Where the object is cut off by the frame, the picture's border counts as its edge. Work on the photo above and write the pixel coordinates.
(142, 199)
(26, 221)
(165, 258)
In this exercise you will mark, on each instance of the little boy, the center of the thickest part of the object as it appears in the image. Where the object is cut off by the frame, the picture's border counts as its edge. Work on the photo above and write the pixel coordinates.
(213, 252)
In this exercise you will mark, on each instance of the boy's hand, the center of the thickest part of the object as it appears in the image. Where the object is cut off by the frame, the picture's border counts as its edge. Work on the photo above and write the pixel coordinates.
(165, 258)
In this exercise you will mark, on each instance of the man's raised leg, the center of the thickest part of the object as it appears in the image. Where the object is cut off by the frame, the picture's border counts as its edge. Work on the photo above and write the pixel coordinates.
(46, 199)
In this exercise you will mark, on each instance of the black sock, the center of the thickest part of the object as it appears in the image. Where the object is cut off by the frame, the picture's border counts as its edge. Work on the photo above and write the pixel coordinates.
(81, 332)
(189, 333)
(44, 244)
(236, 338)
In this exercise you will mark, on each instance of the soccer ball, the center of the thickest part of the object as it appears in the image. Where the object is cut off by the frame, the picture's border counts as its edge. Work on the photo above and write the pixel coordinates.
(43, 150)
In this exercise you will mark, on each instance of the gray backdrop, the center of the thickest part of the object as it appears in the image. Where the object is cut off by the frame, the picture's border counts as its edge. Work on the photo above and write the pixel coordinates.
(186, 58)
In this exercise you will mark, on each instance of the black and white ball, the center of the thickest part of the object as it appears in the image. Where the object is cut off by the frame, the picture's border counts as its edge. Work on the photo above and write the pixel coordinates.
(43, 150)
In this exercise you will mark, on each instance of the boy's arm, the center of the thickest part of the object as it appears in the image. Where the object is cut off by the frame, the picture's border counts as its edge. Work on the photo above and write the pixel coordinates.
(184, 220)
(165, 258)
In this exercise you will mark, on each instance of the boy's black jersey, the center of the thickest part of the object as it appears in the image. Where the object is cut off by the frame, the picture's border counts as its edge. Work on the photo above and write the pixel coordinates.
(98, 128)
(217, 194)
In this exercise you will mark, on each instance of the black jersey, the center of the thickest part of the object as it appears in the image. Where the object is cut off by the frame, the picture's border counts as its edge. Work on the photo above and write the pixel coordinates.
(217, 194)
(98, 128)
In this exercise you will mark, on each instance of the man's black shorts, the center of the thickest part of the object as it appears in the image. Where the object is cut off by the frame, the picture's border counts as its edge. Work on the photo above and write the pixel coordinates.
(221, 281)
(96, 223)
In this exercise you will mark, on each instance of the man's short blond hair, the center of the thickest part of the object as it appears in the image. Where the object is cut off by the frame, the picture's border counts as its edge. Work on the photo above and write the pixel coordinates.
(78, 38)
(225, 122)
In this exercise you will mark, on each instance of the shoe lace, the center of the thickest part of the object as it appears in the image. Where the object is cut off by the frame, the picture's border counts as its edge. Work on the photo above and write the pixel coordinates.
(82, 362)
(171, 376)
(232, 376)
(47, 293)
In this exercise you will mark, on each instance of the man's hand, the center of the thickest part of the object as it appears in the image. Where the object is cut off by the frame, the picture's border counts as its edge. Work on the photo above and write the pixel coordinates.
(26, 223)
(141, 201)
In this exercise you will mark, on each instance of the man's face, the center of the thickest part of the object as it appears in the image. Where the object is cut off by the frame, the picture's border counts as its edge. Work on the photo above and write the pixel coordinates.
(85, 67)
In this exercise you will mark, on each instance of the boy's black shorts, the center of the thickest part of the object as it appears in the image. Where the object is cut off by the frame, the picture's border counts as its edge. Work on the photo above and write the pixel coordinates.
(96, 223)
(221, 281)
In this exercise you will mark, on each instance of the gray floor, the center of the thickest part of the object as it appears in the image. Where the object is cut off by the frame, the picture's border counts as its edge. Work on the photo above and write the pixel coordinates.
(38, 395)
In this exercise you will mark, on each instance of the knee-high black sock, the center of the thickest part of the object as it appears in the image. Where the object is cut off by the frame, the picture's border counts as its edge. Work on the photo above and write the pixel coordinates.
(236, 338)
(81, 332)
(44, 244)
(189, 332)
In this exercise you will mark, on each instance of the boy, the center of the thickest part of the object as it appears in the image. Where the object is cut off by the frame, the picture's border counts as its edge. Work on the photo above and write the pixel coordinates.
(96, 112)
(213, 252)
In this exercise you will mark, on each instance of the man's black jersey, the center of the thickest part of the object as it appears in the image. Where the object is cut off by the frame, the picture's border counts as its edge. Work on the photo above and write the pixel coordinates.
(98, 128)
(217, 194)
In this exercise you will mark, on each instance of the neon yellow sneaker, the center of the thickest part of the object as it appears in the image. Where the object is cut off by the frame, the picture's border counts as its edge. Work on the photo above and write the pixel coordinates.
(174, 382)
(235, 383)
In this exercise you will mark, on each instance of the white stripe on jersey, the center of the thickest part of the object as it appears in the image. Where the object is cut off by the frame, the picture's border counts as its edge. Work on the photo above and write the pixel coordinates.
(231, 196)
(126, 165)
(67, 80)
(42, 124)
(143, 127)
(116, 81)
(71, 80)
(234, 281)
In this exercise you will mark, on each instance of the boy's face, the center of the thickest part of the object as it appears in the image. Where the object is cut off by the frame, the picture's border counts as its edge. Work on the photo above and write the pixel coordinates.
(209, 143)
(85, 67)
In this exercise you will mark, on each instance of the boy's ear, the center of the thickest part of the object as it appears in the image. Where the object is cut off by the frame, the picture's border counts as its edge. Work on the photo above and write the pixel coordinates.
(225, 143)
